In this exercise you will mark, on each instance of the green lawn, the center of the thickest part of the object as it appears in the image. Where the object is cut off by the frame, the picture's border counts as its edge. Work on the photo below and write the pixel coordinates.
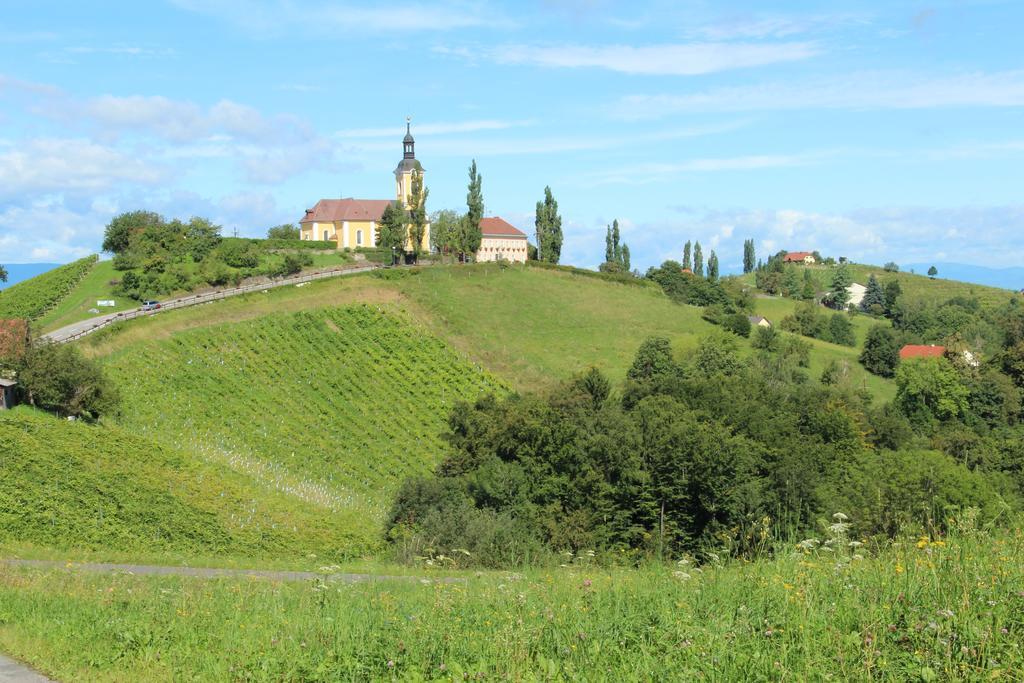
(921, 611)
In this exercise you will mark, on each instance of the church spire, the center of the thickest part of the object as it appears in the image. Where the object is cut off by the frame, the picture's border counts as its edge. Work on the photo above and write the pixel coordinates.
(408, 143)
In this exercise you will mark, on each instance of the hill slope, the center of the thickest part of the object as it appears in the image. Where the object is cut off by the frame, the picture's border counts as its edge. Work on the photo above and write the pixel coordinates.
(334, 406)
(32, 298)
(71, 485)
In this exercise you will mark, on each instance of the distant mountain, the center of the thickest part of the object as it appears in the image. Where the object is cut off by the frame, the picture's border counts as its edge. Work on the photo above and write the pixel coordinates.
(1007, 278)
(16, 272)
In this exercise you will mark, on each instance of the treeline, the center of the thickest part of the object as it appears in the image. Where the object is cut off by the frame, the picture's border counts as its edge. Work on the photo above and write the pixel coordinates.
(694, 453)
(157, 256)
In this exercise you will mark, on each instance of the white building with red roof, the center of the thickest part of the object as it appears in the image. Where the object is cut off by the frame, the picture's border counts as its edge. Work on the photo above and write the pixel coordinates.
(501, 241)
(352, 223)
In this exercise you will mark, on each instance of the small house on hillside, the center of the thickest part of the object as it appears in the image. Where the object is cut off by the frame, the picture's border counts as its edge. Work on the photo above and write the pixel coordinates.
(804, 257)
(687, 271)
(501, 241)
(8, 398)
(759, 321)
(856, 292)
(922, 351)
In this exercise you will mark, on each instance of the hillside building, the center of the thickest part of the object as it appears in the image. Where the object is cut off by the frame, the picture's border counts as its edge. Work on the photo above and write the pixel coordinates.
(353, 222)
(501, 241)
(856, 292)
(804, 257)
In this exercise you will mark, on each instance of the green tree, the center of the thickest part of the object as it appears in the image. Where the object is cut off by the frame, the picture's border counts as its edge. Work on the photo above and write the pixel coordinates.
(881, 352)
(891, 267)
(201, 237)
(718, 353)
(417, 212)
(791, 285)
(625, 257)
(285, 231)
(838, 293)
(930, 388)
(874, 296)
(808, 292)
(3, 274)
(616, 249)
(444, 230)
(713, 266)
(391, 230)
(738, 324)
(892, 293)
(687, 256)
(58, 378)
(549, 229)
(470, 236)
(122, 228)
(840, 330)
(749, 256)
(609, 248)
(932, 272)
(698, 260)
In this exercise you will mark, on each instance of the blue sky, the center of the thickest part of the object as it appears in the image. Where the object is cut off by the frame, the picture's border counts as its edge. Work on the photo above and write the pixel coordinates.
(878, 131)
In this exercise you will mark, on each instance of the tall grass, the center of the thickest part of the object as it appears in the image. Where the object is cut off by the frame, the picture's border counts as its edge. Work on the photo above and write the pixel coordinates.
(926, 610)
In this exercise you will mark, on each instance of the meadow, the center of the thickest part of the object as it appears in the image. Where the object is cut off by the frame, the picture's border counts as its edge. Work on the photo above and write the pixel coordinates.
(922, 610)
(33, 298)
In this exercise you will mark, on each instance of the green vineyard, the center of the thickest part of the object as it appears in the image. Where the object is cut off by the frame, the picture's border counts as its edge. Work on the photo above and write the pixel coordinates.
(334, 407)
(32, 298)
(75, 486)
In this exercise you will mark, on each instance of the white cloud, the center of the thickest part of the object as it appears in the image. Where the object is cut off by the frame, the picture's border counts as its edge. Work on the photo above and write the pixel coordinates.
(69, 165)
(667, 60)
(875, 90)
(639, 174)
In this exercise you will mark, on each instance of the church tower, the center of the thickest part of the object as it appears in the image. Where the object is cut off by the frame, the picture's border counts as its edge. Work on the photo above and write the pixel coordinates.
(403, 173)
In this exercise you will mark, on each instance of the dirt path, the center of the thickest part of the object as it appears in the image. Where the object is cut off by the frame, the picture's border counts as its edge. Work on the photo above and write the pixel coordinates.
(212, 573)
(84, 327)
(14, 672)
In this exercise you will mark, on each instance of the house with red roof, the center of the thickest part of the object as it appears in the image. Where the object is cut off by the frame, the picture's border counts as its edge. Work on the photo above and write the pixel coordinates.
(805, 257)
(351, 222)
(922, 351)
(501, 241)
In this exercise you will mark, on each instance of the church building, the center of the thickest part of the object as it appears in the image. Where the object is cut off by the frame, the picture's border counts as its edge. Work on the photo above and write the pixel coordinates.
(352, 222)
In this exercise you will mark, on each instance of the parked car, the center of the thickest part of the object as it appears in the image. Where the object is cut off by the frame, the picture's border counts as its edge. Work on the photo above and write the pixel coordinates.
(150, 305)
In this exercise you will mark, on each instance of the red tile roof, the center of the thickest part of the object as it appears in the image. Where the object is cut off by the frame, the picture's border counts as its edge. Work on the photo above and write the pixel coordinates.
(330, 210)
(499, 227)
(919, 351)
(796, 256)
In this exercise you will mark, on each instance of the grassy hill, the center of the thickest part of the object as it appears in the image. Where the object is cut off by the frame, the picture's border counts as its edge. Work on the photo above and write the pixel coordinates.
(75, 486)
(334, 407)
(333, 392)
(33, 298)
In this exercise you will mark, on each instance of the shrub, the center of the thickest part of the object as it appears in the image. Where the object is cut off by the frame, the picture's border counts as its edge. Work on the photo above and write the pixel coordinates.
(881, 352)
(59, 379)
(738, 324)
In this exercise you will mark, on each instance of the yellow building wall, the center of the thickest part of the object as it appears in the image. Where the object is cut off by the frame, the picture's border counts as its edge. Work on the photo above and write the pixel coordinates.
(369, 234)
(510, 249)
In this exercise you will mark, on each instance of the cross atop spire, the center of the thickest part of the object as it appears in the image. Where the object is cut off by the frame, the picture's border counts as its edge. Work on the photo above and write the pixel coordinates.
(408, 143)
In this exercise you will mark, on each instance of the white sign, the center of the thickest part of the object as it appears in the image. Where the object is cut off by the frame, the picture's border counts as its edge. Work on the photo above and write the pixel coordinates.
(106, 303)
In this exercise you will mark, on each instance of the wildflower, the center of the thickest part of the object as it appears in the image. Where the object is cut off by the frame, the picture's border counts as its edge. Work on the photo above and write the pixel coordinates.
(587, 583)
(682, 576)
(899, 568)
(391, 664)
(839, 517)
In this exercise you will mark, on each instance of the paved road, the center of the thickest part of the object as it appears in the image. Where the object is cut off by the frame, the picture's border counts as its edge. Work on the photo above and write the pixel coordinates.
(212, 573)
(80, 329)
(13, 672)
